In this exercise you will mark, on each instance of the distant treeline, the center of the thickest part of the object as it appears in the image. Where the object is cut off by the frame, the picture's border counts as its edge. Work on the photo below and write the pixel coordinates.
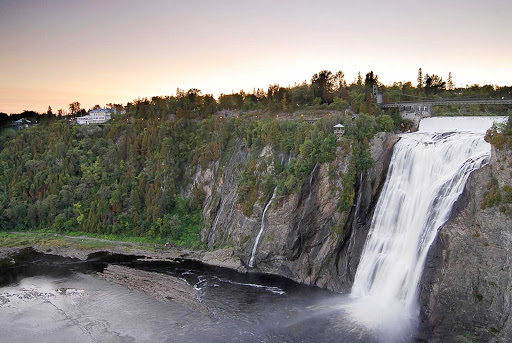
(325, 91)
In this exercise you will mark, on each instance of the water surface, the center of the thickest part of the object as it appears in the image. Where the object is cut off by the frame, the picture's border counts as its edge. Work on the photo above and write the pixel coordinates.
(53, 299)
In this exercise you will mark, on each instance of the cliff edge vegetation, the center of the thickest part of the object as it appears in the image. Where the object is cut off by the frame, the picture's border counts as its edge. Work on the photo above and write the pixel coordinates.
(132, 176)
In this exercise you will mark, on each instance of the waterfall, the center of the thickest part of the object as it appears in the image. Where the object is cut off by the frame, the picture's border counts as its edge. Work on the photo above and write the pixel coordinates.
(251, 261)
(427, 173)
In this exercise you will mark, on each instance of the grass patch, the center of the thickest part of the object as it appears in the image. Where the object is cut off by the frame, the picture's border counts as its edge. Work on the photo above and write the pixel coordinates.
(49, 239)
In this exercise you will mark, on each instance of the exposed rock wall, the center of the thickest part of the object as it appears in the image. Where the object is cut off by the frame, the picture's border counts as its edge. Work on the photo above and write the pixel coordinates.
(466, 291)
(306, 237)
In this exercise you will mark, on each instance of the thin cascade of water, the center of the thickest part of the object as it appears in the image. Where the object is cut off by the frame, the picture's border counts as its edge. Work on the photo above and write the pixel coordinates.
(222, 204)
(306, 203)
(233, 202)
(262, 227)
(214, 226)
(354, 222)
(427, 174)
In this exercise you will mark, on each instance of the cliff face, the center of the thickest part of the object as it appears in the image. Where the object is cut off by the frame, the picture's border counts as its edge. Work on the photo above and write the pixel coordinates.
(306, 236)
(466, 291)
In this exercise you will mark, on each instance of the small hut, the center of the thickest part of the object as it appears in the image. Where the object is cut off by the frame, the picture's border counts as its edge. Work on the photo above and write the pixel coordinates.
(339, 130)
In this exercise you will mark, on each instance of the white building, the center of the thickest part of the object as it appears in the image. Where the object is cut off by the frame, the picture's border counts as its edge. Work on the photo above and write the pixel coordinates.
(95, 117)
(21, 124)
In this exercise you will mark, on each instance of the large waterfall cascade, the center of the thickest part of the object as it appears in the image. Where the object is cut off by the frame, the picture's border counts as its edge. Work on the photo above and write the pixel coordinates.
(262, 228)
(427, 173)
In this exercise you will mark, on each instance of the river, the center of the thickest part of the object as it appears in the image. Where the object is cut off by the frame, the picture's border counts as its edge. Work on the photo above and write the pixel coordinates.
(47, 298)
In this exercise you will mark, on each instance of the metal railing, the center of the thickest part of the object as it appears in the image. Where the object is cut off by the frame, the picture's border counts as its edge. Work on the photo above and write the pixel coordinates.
(444, 102)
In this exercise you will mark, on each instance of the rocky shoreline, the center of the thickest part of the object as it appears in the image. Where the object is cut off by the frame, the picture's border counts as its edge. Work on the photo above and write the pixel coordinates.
(219, 258)
(161, 286)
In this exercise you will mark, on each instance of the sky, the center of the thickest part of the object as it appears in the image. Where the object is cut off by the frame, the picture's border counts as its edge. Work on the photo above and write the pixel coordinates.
(97, 52)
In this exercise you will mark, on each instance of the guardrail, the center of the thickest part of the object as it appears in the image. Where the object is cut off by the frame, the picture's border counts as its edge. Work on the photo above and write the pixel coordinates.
(449, 102)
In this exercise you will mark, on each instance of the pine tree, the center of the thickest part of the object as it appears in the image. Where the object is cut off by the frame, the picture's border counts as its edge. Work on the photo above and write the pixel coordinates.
(420, 78)
(450, 84)
(359, 79)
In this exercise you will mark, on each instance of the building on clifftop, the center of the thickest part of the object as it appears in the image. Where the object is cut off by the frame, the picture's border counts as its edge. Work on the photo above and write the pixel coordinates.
(95, 117)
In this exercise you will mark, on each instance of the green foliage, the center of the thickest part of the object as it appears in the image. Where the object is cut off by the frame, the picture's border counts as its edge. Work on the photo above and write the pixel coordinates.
(478, 297)
(492, 196)
(348, 191)
(506, 196)
(123, 178)
(363, 159)
(339, 104)
(305, 145)
(434, 84)
(181, 226)
(497, 139)
(500, 135)
(385, 123)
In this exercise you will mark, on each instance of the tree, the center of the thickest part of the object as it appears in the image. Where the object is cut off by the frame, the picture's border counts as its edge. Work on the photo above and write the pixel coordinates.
(339, 80)
(74, 107)
(385, 122)
(180, 93)
(371, 79)
(508, 126)
(4, 117)
(209, 104)
(60, 112)
(420, 78)
(96, 107)
(49, 112)
(273, 93)
(359, 79)
(450, 84)
(324, 81)
(434, 84)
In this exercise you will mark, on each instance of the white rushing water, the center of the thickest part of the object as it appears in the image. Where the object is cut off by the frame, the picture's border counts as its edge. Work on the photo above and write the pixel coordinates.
(427, 173)
(262, 227)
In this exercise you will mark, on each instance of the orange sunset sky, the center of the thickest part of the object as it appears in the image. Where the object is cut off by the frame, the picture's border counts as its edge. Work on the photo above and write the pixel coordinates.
(96, 52)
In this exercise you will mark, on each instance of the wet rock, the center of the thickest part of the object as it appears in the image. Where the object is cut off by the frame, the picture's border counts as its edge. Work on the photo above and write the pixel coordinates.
(161, 286)
(466, 290)
(306, 237)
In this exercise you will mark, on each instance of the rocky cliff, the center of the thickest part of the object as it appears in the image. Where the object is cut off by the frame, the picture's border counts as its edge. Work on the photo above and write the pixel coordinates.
(466, 291)
(308, 236)
(466, 288)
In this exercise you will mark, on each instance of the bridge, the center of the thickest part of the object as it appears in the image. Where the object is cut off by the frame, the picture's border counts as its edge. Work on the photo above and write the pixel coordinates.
(444, 102)
(415, 110)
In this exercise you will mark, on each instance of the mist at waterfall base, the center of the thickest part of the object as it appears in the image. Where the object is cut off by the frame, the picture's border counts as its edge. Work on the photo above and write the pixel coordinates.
(65, 303)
